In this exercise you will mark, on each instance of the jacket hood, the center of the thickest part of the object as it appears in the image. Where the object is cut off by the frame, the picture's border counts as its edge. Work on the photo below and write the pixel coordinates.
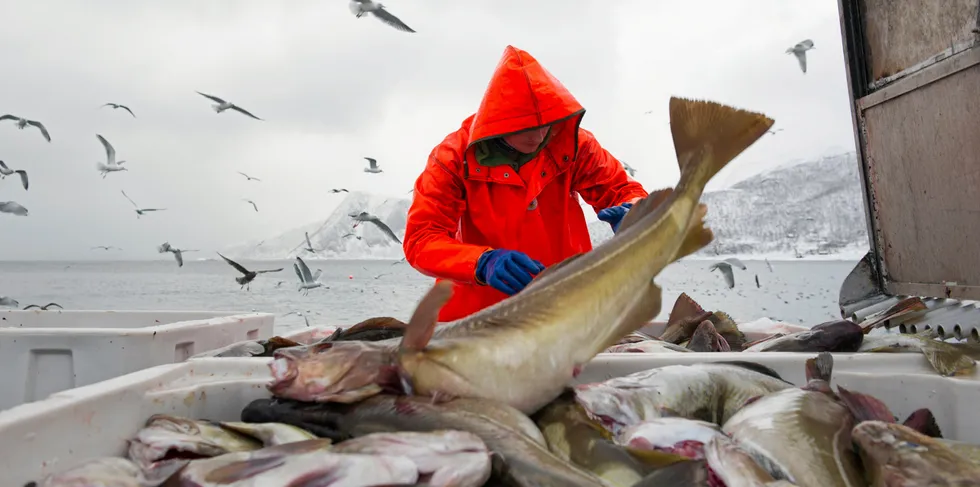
(521, 95)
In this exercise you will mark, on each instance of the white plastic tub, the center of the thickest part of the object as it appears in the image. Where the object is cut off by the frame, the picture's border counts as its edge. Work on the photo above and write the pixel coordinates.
(88, 422)
(43, 352)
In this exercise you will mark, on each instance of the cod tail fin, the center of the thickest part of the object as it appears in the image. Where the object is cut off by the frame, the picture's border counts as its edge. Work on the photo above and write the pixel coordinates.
(708, 135)
(426, 316)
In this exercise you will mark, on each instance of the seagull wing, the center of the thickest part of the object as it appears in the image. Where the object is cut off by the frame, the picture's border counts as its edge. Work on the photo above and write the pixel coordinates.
(299, 273)
(29, 306)
(153, 209)
(386, 17)
(372, 162)
(110, 152)
(253, 204)
(234, 264)
(178, 257)
(210, 97)
(801, 57)
(3, 167)
(268, 270)
(805, 44)
(384, 228)
(305, 269)
(124, 107)
(242, 110)
(9, 117)
(316, 275)
(130, 199)
(768, 265)
(23, 177)
(46, 306)
(308, 244)
(735, 262)
(40, 127)
(726, 271)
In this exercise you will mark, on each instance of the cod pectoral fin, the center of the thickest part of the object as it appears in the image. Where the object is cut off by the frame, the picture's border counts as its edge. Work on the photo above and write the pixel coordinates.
(423, 323)
(644, 207)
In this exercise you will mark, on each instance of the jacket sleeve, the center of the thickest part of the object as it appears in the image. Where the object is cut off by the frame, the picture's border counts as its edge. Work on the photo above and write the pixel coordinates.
(600, 178)
(430, 243)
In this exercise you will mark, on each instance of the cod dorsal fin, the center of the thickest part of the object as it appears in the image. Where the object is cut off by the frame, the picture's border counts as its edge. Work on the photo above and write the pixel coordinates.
(423, 323)
(644, 207)
(684, 307)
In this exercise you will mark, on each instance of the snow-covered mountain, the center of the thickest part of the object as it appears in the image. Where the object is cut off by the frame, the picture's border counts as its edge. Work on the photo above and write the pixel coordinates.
(805, 209)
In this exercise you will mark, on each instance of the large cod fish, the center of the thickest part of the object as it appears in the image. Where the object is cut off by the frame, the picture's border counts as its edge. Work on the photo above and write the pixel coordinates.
(523, 350)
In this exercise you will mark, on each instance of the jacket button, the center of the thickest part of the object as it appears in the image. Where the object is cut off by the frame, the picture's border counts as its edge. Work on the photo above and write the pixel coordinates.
(477, 169)
(506, 174)
(565, 158)
(543, 174)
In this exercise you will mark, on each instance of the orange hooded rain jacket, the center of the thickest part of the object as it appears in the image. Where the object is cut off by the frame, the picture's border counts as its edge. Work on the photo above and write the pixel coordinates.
(462, 209)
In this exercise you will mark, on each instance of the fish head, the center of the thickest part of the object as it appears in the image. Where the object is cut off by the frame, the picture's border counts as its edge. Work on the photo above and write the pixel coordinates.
(344, 372)
(608, 406)
(707, 339)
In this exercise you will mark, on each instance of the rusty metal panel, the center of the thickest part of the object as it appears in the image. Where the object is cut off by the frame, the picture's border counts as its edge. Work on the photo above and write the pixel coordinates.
(900, 34)
(921, 138)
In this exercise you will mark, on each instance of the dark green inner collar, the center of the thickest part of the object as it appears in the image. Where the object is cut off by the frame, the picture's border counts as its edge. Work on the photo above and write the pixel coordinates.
(495, 152)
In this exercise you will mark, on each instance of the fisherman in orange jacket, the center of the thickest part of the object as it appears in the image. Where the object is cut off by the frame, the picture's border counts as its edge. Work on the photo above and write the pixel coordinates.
(498, 199)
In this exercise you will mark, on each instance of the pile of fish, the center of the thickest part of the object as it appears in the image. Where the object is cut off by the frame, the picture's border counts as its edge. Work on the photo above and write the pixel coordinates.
(484, 400)
(721, 424)
(690, 328)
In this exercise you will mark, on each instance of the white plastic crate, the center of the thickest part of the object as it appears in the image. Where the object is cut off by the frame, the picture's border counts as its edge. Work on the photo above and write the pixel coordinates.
(94, 421)
(43, 352)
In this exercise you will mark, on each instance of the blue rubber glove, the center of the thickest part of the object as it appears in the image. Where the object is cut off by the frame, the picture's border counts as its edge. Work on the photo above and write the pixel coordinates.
(614, 214)
(507, 271)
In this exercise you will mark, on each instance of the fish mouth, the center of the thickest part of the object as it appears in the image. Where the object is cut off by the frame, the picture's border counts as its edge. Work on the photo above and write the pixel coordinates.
(283, 369)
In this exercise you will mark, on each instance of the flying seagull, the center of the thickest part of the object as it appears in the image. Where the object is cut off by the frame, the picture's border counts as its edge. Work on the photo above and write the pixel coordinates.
(253, 204)
(8, 301)
(140, 211)
(6, 171)
(116, 105)
(757, 281)
(110, 164)
(247, 275)
(367, 217)
(774, 131)
(629, 168)
(45, 307)
(726, 272)
(249, 178)
(351, 234)
(105, 247)
(372, 166)
(799, 50)
(309, 247)
(340, 190)
(178, 253)
(307, 281)
(768, 265)
(13, 208)
(361, 7)
(23, 122)
(224, 105)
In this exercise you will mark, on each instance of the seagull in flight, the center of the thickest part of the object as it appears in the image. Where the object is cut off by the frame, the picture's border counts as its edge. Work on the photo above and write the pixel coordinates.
(249, 178)
(351, 234)
(13, 208)
(9, 301)
(105, 247)
(367, 217)
(140, 211)
(252, 203)
(110, 164)
(339, 190)
(23, 123)
(222, 105)
(774, 131)
(307, 281)
(6, 171)
(45, 307)
(629, 168)
(725, 267)
(247, 275)
(768, 265)
(799, 50)
(178, 253)
(309, 246)
(361, 7)
(116, 106)
(372, 166)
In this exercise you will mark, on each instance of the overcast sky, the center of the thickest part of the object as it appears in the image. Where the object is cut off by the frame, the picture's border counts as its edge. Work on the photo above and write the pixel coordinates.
(333, 89)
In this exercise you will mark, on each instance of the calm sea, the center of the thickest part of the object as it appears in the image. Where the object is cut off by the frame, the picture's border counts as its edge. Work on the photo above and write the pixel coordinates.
(803, 292)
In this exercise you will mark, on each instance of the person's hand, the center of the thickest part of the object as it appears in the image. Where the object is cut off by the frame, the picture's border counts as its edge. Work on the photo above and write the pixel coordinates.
(614, 215)
(507, 271)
